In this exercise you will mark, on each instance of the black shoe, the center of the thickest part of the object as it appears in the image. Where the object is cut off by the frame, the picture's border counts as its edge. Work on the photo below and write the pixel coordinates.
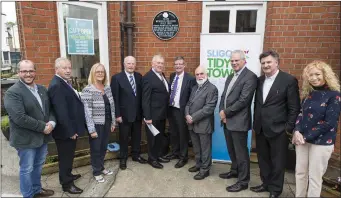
(72, 189)
(236, 187)
(123, 164)
(75, 177)
(171, 156)
(140, 160)
(193, 169)
(201, 175)
(258, 189)
(273, 195)
(180, 163)
(44, 193)
(155, 164)
(228, 175)
(162, 160)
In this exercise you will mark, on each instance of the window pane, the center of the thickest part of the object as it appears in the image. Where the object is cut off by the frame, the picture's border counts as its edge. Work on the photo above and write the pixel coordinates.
(219, 21)
(246, 21)
(81, 64)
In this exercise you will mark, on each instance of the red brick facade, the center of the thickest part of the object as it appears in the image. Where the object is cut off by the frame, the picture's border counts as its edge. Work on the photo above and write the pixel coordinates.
(299, 31)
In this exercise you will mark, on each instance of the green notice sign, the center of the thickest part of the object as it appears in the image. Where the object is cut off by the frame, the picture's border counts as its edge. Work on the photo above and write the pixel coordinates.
(80, 36)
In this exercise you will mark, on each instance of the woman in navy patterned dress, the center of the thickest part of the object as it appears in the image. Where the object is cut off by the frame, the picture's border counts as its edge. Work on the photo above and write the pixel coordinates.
(316, 127)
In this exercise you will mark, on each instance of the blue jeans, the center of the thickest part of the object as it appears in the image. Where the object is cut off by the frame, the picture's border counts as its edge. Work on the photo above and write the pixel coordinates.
(31, 164)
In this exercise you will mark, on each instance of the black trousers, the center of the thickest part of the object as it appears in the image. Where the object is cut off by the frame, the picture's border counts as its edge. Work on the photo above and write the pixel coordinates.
(155, 143)
(133, 128)
(66, 152)
(98, 147)
(272, 155)
(236, 142)
(179, 133)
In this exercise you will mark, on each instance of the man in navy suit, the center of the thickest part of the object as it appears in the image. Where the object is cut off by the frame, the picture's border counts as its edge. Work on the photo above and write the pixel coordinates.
(70, 116)
(155, 102)
(127, 91)
(181, 88)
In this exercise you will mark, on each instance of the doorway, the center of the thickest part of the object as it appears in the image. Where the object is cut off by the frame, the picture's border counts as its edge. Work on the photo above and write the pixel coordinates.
(228, 26)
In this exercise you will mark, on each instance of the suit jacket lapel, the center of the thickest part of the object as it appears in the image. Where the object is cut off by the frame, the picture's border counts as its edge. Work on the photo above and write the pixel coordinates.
(200, 91)
(157, 79)
(184, 83)
(127, 82)
(260, 88)
(42, 97)
(241, 75)
(274, 87)
(29, 94)
(69, 88)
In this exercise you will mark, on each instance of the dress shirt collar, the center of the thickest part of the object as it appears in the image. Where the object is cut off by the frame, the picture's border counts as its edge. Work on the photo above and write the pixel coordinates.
(129, 74)
(34, 88)
(240, 71)
(273, 77)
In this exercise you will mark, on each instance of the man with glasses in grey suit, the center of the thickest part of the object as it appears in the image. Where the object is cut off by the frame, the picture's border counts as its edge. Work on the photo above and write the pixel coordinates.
(235, 115)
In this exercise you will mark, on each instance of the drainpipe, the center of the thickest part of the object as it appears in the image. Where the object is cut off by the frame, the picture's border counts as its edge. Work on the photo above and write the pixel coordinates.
(122, 33)
(129, 24)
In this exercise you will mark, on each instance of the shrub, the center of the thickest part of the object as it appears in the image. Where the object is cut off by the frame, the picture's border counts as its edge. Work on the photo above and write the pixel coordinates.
(4, 123)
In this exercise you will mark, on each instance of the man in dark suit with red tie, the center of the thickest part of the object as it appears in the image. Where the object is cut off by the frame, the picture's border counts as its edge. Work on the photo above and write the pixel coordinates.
(181, 88)
(155, 102)
(70, 116)
(127, 91)
(277, 105)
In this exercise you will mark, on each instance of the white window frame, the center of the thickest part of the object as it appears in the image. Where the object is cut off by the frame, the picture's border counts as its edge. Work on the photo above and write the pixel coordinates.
(102, 29)
(233, 7)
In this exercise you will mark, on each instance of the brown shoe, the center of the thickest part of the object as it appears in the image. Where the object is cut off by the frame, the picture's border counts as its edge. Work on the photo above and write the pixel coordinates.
(44, 193)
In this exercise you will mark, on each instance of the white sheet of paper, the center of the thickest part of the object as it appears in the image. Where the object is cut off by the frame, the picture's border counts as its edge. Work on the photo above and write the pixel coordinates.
(152, 128)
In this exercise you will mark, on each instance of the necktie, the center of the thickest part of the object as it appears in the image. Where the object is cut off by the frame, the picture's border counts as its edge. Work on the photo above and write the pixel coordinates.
(174, 90)
(233, 80)
(132, 83)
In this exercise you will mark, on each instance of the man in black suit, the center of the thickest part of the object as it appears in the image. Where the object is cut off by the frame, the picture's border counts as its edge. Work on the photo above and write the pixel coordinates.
(127, 91)
(277, 105)
(70, 116)
(181, 88)
(155, 102)
(235, 114)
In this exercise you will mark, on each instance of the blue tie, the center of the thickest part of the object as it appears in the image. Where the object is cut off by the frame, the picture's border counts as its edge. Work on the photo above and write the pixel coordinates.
(131, 80)
(174, 89)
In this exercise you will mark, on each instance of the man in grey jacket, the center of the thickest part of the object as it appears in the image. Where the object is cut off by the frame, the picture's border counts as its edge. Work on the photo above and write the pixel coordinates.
(31, 123)
(199, 113)
(235, 115)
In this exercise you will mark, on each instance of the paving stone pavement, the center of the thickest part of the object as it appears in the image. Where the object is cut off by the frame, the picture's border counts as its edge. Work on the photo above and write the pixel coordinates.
(141, 180)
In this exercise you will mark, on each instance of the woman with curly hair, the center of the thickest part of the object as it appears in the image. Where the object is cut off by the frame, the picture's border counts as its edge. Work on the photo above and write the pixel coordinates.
(316, 126)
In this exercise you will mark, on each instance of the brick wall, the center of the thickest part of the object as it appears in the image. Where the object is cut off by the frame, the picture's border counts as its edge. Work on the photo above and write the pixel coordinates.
(302, 32)
(186, 43)
(38, 32)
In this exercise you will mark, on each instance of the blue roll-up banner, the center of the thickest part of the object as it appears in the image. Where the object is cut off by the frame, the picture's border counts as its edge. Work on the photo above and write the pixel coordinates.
(215, 51)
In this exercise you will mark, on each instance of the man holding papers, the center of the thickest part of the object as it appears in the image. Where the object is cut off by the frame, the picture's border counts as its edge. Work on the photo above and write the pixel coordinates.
(155, 97)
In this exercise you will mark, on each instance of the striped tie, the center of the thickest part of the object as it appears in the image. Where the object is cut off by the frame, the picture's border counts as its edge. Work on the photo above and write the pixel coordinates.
(132, 84)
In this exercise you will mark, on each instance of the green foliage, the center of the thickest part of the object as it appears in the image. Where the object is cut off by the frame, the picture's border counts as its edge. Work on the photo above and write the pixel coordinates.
(8, 75)
(4, 123)
(51, 159)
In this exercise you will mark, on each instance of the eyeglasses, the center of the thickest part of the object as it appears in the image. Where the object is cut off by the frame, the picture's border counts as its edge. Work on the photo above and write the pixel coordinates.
(27, 71)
